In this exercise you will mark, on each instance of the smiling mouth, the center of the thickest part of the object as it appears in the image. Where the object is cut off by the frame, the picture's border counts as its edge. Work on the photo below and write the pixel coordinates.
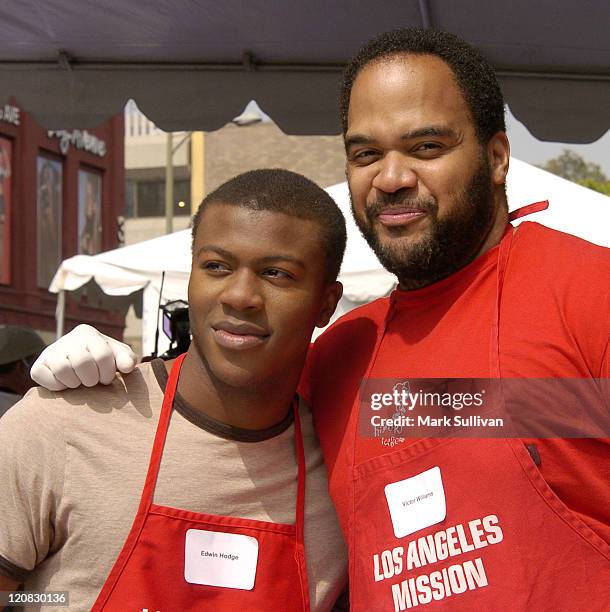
(399, 216)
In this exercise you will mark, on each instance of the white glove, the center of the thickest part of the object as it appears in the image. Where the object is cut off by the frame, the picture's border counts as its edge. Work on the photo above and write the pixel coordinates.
(82, 357)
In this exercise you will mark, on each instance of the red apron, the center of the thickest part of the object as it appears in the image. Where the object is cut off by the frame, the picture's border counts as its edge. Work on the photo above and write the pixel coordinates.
(149, 573)
(507, 542)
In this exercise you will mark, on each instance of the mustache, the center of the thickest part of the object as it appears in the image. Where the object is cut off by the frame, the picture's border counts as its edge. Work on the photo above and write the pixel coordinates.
(426, 204)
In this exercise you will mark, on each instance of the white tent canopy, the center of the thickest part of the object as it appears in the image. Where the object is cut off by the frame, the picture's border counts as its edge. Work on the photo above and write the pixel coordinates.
(139, 266)
(573, 209)
(193, 65)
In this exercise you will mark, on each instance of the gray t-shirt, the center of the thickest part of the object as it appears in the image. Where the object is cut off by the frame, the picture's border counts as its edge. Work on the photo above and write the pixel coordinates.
(72, 467)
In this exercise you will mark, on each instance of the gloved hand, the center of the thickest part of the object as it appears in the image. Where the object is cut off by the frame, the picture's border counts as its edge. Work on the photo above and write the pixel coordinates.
(82, 357)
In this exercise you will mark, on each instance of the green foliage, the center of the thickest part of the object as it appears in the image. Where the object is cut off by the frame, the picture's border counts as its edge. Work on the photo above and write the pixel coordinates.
(573, 167)
(596, 185)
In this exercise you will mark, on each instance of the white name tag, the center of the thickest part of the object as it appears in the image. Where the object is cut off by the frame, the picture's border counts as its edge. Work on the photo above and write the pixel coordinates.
(416, 503)
(220, 559)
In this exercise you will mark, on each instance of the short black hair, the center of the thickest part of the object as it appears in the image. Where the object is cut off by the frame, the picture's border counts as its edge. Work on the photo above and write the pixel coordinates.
(474, 75)
(289, 193)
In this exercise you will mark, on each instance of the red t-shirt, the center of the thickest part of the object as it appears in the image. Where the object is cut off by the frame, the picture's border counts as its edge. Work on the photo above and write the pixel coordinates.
(554, 317)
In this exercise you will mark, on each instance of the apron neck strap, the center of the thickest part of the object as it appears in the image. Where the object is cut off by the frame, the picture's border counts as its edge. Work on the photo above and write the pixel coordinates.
(494, 345)
(161, 435)
(530, 209)
(301, 473)
(381, 331)
(505, 244)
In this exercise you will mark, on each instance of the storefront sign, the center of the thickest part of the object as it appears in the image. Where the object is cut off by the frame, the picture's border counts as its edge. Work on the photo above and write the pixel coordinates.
(79, 139)
(10, 114)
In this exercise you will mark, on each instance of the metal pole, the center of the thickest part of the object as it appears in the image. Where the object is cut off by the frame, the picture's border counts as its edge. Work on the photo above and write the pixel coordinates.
(197, 170)
(60, 310)
(169, 183)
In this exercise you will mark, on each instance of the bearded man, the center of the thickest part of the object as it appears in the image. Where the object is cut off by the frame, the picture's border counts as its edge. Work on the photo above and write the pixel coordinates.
(454, 523)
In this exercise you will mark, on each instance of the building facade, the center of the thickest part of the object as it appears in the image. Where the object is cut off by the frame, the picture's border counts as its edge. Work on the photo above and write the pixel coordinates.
(61, 193)
(203, 161)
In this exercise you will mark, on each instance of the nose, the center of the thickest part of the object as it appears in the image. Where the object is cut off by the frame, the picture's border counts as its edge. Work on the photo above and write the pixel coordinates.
(395, 173)
(242, 291)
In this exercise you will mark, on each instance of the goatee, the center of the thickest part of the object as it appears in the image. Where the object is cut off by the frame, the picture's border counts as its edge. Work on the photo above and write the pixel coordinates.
(451, 242)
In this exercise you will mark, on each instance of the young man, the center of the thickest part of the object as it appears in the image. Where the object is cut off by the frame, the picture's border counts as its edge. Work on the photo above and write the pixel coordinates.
(215, 524)
(458, 524)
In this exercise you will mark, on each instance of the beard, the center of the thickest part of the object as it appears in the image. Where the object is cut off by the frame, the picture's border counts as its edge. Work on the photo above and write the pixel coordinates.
(451, 242)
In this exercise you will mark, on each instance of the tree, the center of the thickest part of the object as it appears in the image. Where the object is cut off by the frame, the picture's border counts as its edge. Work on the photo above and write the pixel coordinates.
(571, 166)
(597, 186)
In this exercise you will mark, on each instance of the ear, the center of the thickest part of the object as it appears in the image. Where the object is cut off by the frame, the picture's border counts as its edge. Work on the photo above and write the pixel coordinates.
(22, 368)
(498, 153)
(330, 299)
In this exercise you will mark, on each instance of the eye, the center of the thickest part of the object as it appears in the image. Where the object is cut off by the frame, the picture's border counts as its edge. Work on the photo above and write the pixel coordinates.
(276, 274)
(365, 156)
(428, 149)
(215, 267)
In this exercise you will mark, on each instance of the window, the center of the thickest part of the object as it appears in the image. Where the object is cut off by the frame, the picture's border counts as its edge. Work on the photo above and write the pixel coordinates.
(147, 198)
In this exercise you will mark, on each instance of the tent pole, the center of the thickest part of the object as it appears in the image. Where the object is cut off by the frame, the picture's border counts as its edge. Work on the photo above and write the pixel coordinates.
(169, 183)
(60, 311)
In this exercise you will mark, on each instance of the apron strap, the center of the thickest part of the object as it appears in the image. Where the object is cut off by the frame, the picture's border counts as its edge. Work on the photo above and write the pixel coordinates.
(494, 347)
(502, 265)
(149, 487)
(300, 555)
(301, 472)
(160, 436)
(530, 209)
